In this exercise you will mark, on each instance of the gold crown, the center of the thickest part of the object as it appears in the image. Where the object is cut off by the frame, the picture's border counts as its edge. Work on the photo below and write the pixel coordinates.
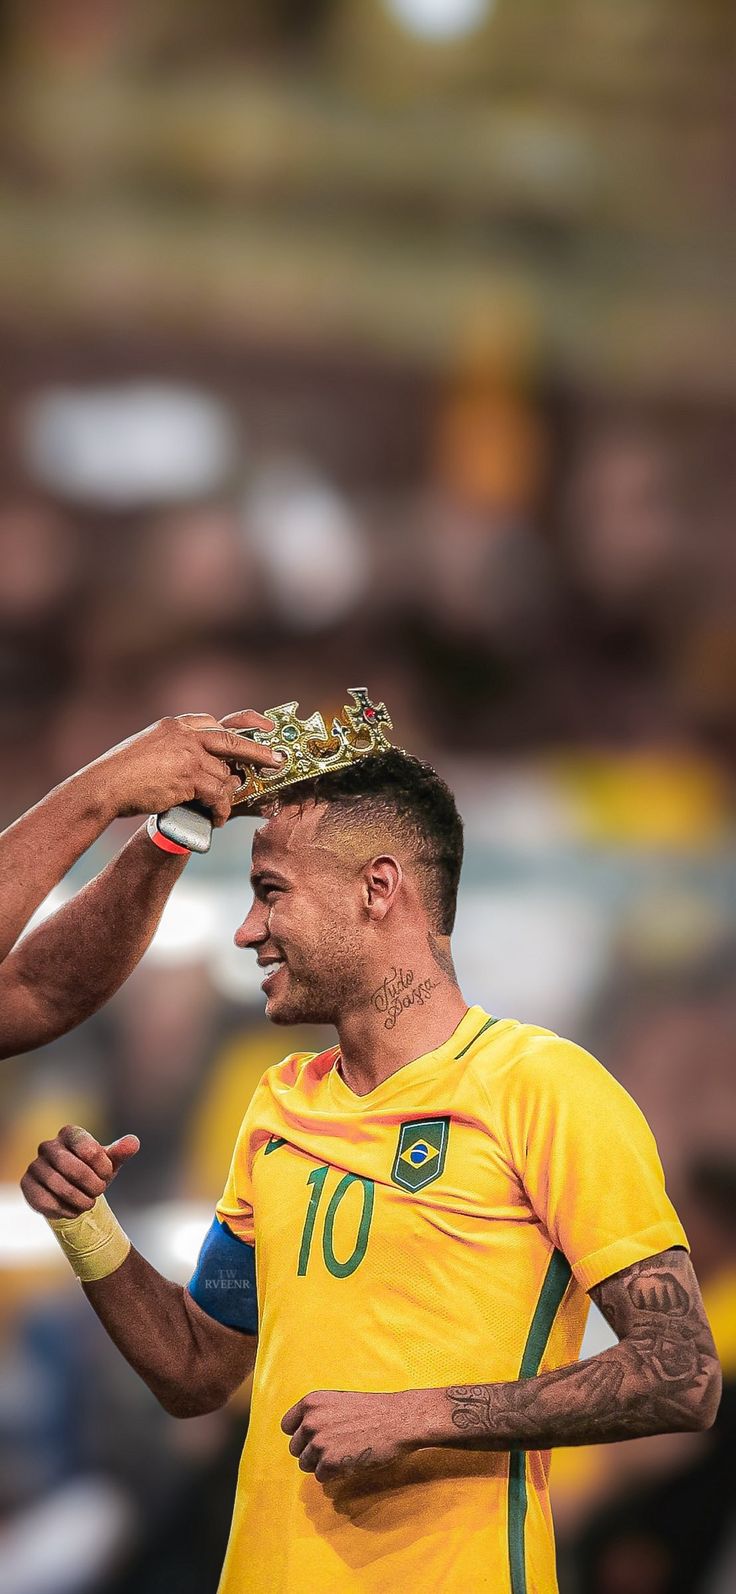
(311, 749)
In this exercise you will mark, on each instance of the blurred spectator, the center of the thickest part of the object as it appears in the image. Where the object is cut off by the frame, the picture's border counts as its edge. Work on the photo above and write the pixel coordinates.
(312, 554)
(667, 1034)
(39, 559)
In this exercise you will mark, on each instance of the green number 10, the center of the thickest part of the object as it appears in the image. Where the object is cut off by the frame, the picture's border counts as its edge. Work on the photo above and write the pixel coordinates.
(339, 1270)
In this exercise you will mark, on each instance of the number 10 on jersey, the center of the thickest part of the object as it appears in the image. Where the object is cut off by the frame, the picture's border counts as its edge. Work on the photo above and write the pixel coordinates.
(339, 1270)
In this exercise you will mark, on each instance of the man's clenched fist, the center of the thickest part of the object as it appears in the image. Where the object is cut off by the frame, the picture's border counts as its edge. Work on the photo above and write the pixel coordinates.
(338, 1432)
(71, 1171)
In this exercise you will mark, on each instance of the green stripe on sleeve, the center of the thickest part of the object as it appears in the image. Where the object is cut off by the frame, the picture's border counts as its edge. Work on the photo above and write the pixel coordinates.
(556, 1280)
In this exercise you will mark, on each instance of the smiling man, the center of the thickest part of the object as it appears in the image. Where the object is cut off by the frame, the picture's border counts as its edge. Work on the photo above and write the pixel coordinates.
(412, 1225)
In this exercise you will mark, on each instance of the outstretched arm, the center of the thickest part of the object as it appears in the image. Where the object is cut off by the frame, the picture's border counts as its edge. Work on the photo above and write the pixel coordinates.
(74, 962)
(191, 1362)
(67, 968)
(662, 1377)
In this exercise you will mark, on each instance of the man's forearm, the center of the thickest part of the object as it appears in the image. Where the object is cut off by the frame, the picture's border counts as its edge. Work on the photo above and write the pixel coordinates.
(168, 1340)
(190, 1361)
(38, 850)
(609, 1397)
(71, 965)
(75, 961)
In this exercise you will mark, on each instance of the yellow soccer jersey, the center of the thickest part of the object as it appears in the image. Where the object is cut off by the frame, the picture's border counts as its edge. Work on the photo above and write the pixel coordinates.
(443, 1229)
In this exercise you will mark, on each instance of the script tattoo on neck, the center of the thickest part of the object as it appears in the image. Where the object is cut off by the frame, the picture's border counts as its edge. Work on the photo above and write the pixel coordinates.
(399, 992)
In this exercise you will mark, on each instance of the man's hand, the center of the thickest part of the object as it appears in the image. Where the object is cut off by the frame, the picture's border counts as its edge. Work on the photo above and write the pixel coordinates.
(67, 967)
(71, 1171)
(336, 1432)
(177, 760)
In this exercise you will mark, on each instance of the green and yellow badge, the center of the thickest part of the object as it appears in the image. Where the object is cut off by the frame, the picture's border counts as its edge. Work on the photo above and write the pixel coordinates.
(420, 1154)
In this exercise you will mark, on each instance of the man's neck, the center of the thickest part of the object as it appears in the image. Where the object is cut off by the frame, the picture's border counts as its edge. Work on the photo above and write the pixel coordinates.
(411, 1010)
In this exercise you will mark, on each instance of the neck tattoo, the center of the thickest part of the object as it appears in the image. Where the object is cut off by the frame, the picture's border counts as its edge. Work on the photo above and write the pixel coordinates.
(399, 992)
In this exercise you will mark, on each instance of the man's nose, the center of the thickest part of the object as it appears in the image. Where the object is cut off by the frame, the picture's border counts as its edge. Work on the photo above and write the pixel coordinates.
(253, 929)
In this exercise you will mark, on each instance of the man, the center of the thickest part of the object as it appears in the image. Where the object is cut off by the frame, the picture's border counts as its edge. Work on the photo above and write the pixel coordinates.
(429, 1201)
(68, 967)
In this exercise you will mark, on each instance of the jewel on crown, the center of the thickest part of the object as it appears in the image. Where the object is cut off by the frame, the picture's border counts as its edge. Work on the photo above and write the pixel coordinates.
(311, 749)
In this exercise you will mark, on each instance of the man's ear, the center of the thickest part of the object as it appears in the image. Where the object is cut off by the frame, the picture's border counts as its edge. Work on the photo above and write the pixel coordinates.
(382, 878)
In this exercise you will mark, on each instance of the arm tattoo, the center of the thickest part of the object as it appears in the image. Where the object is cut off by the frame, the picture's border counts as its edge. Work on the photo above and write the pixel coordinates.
(663, 1376)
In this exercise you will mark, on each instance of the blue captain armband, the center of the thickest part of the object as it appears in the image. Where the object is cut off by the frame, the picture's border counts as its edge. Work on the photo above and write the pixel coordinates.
(223, 1283)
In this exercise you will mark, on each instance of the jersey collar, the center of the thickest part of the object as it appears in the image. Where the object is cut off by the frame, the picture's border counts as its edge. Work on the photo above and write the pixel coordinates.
(471, 1026)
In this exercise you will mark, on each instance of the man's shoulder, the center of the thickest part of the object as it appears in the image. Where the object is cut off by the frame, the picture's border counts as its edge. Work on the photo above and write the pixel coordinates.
(504, 1041)
(516, 1053)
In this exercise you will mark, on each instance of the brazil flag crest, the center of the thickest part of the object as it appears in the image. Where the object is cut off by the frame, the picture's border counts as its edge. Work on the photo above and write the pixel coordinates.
(420, 1154)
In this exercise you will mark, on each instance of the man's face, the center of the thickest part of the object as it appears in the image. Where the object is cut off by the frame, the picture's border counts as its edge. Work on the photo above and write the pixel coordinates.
(306, 922)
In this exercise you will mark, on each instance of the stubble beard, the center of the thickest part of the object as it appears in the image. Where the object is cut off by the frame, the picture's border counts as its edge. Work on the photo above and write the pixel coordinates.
(320, 997)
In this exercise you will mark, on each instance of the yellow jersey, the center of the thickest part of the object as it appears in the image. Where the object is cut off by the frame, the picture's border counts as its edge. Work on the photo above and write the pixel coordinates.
(442, 1229)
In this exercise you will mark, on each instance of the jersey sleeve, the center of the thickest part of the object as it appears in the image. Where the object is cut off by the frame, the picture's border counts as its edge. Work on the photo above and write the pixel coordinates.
(235, 1206)
(588, 1161)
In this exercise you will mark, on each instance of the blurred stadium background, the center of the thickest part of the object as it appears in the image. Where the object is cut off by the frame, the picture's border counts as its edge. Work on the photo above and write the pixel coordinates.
(389, 342)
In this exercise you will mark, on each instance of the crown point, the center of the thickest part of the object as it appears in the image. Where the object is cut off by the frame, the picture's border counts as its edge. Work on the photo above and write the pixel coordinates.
(307, 750)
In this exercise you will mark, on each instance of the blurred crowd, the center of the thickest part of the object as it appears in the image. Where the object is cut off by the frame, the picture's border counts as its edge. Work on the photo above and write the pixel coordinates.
(510, 589)
(536, 571)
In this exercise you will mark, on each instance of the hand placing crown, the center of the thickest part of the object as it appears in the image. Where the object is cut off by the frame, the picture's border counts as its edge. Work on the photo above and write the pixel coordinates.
(310, 749)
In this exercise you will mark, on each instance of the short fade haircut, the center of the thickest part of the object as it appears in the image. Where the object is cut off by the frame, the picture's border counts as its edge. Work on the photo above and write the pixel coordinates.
(412, 799)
